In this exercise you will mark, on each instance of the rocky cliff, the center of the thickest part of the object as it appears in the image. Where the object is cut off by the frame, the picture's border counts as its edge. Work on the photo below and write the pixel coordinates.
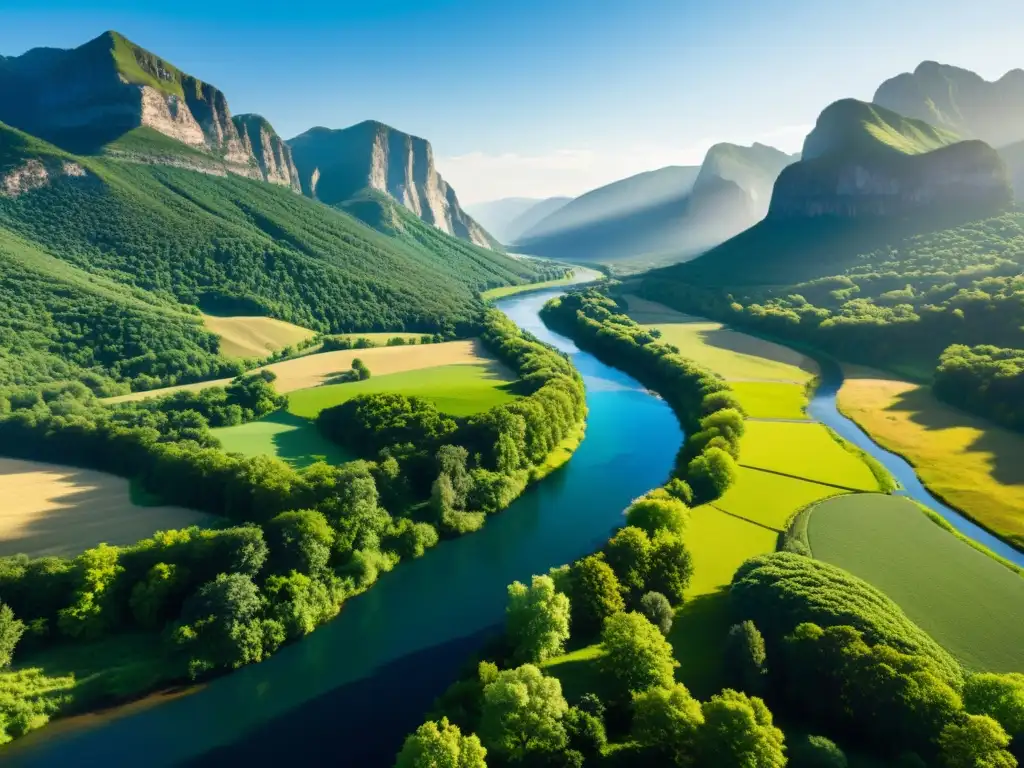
(865, 161)
(273, 156)
(335, 165)
(89, 98)
(753, 169)
(960, 100)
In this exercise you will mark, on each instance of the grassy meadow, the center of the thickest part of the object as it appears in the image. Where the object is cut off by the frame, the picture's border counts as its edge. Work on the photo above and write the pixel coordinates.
(58, 510)
(772, 399)
(967, 601)
(578, 275)
(973, 465)
(244, 337)
(288, 437)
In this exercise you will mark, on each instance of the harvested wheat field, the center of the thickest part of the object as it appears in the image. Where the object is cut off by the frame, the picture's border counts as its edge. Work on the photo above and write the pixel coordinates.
(57, 510)
(242, 336)
(314, 370)
(972, 464)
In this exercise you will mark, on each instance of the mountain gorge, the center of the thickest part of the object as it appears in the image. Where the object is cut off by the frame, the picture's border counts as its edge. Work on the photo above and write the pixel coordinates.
(959, 100)
(862, 160)
(334, 166)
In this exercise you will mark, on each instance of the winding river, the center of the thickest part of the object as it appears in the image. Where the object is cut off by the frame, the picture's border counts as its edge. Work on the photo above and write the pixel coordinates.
(347, 694)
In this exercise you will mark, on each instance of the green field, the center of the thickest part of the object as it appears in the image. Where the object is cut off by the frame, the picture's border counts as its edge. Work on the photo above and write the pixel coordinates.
(292, 438)
(770, 500)
(966, 600)
(805, 450)
(460, 390)
(579, 275)
(771, 399)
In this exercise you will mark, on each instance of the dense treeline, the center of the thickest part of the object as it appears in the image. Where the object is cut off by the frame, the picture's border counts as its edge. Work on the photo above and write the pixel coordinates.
(986, 380)
(839, 656)
(307, 539)
(705, 405)
(896, 306)
(102, 274)
(474, 466)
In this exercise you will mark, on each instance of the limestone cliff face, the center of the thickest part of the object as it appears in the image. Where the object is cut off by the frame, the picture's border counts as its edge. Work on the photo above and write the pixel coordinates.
(334, 165)
(85, 99)
(969, 173)
(272, 154)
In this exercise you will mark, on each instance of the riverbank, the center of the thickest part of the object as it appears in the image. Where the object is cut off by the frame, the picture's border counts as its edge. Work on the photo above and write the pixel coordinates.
(578, 276)
(971, 464)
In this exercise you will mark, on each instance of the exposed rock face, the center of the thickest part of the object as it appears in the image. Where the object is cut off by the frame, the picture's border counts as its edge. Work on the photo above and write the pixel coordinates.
(334, 165)
(753, 169)
(862, 160)
(35, 174)
(968, 174)
(273, 155)
(88, 97)
(960, 100)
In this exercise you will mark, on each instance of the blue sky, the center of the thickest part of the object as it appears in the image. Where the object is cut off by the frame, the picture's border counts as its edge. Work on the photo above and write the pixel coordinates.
(533, 97)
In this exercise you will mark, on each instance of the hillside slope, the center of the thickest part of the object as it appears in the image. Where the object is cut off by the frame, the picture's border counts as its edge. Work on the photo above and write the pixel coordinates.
(959, 100)
(862, 160)
(508, 218)
(1013, 156)
(174, 241)
(90, 97)
(335, 165)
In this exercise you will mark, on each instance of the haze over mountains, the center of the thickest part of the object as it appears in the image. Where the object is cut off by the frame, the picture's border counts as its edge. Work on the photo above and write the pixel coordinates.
(509, 217)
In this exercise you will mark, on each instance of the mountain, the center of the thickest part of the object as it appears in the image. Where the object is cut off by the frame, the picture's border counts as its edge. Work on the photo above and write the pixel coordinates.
(1013, 156)
(959, 100)
(753, 169)
(106, 264)
(98, 96)
(509, 217)
(336, 165)
(862, 160)
(272, 154)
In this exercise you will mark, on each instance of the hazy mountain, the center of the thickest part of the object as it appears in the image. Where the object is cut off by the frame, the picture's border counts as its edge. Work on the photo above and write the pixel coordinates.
(864, 160)
(509, 217)
(959, 100)
(753, 169)
(97, 96)
(336, 165)
(1013, 156)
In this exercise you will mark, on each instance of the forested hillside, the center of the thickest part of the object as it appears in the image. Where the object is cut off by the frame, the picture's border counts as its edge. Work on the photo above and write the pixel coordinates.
(122, 254)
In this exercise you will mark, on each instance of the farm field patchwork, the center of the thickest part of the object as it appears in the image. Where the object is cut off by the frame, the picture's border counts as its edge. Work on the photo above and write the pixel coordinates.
(972, 464)
(313, 370)
(242, 336)
(770, 500)
(459, 390)
(291, 438)
(966, 600)
(771, 399)
(59, 510)
(804, 450)
(733, 355)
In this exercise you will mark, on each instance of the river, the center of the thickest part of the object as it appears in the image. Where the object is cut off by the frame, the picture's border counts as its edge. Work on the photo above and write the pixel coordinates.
(347, 694)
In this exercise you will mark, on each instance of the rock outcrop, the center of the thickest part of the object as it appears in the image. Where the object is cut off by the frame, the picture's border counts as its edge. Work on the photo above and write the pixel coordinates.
(865, 161)
(87, 98)
(34, 173)
(753, 169)
(272, 153)
(959, 100)
(335, 165)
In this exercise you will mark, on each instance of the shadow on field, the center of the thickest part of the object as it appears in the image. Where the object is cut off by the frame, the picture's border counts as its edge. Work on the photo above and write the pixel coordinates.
(697, 636)
(735, 341)
(1004, 446)
(300, 442)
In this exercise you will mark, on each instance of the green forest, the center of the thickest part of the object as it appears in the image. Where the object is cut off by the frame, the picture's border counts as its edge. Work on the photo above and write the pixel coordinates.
(109, 270)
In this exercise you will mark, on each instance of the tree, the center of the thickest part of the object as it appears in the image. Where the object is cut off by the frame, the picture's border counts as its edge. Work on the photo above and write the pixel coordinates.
(586, 733)
(360, 368)
(151, 598)
(594, 593)
(301, 603)
(745, 658)
(976, 741)
(711, 474)
(738, 730)
(521, 713)
(93, 611)
(816, 752)
(628, 553)
(667, 720)
(1001, 697)
(537, 619)
(654, 512)
(441, 745)
(301, 541)
(11, 630)
(636, 656)
(451, 461)
(671, 566)
(656, 609)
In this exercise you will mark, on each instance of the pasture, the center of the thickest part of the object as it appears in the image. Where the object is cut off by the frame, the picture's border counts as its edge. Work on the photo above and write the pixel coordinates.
(972, 464)
(459, 390)
(966, 600)
(314, 370)
(803, 450)
(291, 438)
(771, 399)
(58, 510)
(770, 500)
(242, 337)
(733, 355)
